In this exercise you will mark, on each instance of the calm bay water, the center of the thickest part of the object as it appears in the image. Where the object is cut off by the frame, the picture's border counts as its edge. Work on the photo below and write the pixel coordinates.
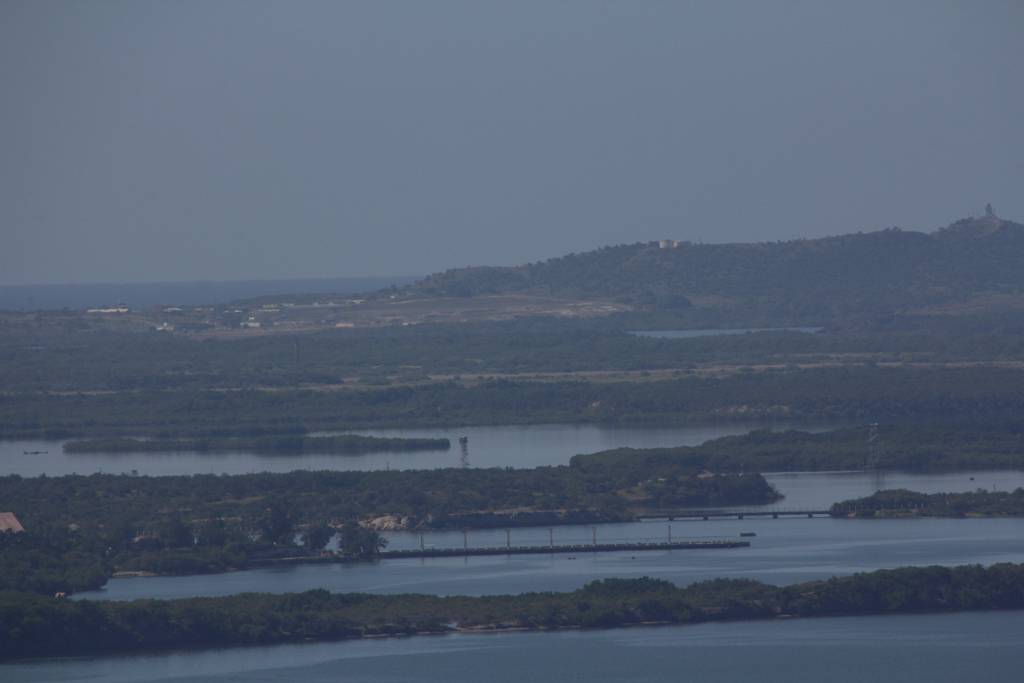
(498, 446)
(920, 648)
(937, 648)
(784, 551)
(818, 490)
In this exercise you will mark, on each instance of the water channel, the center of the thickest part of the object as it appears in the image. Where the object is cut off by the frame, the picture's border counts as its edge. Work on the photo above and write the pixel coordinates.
(938, 648)
(922, 648)
(784, 551)
(493, 446)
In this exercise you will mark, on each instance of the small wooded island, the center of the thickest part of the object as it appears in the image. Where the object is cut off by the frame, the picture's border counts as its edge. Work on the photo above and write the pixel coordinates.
(283, 444)
(37, 626)
(904, 503)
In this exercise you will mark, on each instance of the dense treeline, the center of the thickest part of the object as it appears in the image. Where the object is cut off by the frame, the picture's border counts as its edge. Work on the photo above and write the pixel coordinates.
(32, 626)
(34, 358)
(52, 560)
(862, 394)
(344, 443)
(906, 447)
(209, 523)
(100, 500)
(901, 502)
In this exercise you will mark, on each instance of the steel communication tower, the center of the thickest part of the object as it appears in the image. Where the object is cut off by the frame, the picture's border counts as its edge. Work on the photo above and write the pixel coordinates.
(875, 452)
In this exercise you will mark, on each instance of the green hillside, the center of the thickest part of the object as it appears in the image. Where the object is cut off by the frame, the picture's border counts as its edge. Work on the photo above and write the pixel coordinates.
(975, 262)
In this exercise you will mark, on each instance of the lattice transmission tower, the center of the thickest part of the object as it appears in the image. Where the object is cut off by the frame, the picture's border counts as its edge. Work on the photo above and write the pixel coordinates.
(875, 452)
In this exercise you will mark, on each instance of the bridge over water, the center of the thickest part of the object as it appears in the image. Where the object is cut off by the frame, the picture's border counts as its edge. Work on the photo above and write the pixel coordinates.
(742, 513)
(558, 548)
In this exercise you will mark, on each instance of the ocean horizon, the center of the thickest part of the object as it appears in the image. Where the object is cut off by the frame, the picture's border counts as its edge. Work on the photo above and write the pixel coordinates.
(184, 293)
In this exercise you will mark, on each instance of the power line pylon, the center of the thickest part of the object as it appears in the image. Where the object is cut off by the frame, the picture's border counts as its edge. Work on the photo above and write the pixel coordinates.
(875, 451)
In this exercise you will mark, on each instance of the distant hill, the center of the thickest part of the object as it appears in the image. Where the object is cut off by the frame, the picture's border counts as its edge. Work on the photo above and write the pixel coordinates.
(974, 263)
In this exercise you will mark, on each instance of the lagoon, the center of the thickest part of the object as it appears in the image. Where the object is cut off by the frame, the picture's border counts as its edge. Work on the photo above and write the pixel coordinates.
(784, 551)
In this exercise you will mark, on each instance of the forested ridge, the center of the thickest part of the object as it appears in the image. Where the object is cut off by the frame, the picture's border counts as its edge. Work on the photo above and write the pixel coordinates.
(824, 278)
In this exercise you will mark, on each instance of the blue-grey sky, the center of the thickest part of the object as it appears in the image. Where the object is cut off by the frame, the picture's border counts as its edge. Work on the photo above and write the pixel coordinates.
(149, 141)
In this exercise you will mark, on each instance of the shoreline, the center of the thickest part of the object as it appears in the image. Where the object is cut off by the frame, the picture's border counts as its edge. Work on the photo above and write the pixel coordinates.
(99, 628)
(456, 631)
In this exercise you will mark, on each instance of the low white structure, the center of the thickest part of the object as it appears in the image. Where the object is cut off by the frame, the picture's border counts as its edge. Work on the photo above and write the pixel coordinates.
(8, 522)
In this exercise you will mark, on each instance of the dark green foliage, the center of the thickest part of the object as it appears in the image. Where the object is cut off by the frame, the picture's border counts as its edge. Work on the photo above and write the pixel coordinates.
(906, 447)
(863, 274)
(182, 561)
(359, 543)
(50, 561)
(317, 536)
(275, 524)
(186, 524)
(276, 504)
(36, 357)
(172, 532)
(917, 589)
(863, 394)
(978, 503)
(34, 626)
(213, 533)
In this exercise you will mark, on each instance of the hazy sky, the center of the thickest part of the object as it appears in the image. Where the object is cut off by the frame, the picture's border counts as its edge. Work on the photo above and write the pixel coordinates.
(144, 141)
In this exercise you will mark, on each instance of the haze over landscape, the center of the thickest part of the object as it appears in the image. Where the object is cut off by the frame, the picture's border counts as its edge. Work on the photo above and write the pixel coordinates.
(157, 142)
(327, 322)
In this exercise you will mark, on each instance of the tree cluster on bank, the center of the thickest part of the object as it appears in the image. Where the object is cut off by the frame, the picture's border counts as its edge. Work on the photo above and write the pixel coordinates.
(929, 446)
(35, 626)
(901, 502)
(92, 525)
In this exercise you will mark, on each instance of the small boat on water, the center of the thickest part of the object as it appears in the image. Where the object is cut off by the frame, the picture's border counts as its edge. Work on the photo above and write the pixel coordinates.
(35, 452)
(747, 534)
